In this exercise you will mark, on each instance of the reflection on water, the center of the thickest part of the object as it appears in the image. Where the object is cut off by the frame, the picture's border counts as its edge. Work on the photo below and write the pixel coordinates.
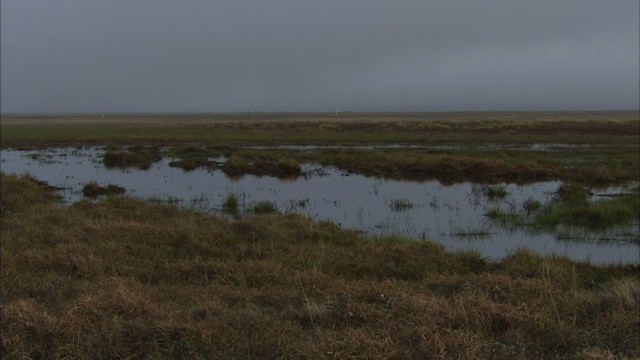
(451, 215)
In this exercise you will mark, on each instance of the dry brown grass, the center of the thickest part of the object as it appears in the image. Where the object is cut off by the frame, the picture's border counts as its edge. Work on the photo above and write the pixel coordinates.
(121, 278)
(447, 168)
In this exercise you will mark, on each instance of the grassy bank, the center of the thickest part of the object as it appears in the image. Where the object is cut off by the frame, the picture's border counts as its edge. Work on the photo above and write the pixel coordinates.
(123, 278)
(599, 166)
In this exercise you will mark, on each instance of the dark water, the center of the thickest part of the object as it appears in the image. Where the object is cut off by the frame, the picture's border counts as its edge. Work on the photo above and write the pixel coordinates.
(452, 215)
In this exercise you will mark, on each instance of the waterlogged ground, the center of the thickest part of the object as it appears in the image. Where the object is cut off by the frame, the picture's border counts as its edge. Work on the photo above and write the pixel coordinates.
(453, 215)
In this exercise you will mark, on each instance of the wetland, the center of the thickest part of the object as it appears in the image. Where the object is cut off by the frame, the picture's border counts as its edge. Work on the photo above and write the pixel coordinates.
(459, 216)
(409, 235)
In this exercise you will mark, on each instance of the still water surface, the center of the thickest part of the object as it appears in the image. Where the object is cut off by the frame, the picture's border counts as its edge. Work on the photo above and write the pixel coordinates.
(452, 215)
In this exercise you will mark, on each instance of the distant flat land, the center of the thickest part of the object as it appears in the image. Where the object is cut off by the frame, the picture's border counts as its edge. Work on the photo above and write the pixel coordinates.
(117, 118)
(318, 128)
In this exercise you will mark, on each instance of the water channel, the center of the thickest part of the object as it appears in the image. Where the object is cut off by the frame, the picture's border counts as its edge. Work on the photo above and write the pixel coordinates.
(452, 215)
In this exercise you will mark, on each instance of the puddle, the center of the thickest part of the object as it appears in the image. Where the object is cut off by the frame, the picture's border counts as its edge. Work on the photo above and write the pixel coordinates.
(452, 215)
(613, 191)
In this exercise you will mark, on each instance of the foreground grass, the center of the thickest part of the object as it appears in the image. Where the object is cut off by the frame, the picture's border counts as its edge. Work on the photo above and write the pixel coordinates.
(123, 278)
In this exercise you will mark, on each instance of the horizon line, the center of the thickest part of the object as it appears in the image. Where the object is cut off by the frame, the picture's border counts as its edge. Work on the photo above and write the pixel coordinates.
(285, 112)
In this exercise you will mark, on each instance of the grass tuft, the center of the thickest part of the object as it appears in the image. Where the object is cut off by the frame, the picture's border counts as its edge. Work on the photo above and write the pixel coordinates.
(263, 207)
(231, 206)
(93, 190)
(495, 192)
(399, 205)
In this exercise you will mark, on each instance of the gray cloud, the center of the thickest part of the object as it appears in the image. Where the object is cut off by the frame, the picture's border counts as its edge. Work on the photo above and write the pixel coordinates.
(292, 55)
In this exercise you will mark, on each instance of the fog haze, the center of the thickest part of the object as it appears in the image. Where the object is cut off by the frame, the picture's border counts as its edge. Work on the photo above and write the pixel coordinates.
(292, 55)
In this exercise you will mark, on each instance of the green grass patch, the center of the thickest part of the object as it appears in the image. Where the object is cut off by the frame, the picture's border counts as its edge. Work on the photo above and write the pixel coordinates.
(572, 207)
(262, 208)
(506, 218)
(623, 210)
(495, 192)
(231, 205)
(400, 205)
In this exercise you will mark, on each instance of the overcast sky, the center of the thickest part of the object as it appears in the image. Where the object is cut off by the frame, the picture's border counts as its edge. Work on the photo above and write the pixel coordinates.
(305, 55)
